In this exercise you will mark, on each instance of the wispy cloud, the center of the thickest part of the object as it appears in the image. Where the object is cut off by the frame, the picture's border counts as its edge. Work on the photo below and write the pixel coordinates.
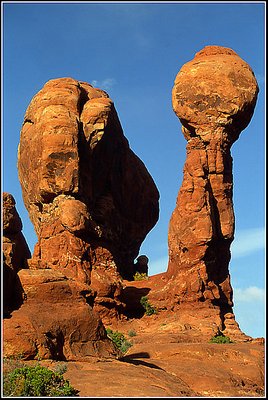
(248, 241)
(250, 294)
(105, 84)
(249, 309)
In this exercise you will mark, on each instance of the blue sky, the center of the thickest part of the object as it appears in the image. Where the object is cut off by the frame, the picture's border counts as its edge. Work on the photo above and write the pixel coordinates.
(134, 51)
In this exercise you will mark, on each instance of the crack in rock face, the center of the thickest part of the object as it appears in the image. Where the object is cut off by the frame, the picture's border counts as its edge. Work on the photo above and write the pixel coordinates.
(214, 96)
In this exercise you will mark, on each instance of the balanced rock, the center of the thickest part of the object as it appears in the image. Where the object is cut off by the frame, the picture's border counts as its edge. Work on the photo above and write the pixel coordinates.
(214, 96)
(15, 253)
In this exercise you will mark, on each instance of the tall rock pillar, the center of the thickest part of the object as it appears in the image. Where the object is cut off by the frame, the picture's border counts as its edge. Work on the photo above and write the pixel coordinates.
(214, 96)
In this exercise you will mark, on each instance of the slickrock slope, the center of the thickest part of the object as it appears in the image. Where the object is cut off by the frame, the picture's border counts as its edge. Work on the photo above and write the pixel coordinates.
(163, 363)
(15, 253)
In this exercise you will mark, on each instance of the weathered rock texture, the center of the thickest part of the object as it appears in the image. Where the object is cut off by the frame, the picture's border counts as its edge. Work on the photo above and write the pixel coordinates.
(47, 315)
(55, 321)
(15, 253)
(90, 198)
(214, 96)
(92, 202)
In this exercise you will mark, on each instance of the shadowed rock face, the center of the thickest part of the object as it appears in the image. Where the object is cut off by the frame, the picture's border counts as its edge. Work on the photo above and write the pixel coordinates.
(214, 96)
(90, 198)
(15, 253)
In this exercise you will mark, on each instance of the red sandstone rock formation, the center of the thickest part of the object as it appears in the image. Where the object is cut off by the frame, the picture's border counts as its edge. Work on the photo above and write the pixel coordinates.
(15, 253)
(55, 321)
(48, 315)
(92, 202)
(89, 196)
(214, 96)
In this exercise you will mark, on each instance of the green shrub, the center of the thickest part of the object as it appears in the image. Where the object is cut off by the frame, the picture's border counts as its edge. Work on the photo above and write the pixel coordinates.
(119, 340)
(220, 338)
(140, 276)
(149, 309)
(36, 381)
(132, 333)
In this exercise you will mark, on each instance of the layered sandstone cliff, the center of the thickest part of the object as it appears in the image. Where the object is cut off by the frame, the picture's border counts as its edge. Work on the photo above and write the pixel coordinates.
(46, 314)
(56, 320)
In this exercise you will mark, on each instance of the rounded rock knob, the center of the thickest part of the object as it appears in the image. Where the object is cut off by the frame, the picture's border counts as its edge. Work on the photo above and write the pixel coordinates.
(215, 91)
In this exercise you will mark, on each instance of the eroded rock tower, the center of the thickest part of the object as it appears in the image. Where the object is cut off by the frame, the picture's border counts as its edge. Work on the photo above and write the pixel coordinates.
(214, 96)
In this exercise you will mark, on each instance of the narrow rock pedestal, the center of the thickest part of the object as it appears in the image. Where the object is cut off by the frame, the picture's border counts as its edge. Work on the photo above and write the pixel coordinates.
(214, 96)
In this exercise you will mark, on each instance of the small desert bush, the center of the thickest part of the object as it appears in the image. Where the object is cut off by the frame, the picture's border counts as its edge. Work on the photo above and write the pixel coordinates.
(60, 368)
(36, 381)
(140, 276)
(220, 338)
(119, 340)
(132, 333)
(149, 309)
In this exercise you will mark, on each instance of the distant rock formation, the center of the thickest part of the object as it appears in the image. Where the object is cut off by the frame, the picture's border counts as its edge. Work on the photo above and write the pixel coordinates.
(15, 253)
(141, 265)
(90, 198)
(214, 96)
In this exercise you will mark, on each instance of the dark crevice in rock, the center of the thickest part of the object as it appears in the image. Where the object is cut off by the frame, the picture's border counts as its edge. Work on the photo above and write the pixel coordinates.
(83, 98)
(28, 120)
